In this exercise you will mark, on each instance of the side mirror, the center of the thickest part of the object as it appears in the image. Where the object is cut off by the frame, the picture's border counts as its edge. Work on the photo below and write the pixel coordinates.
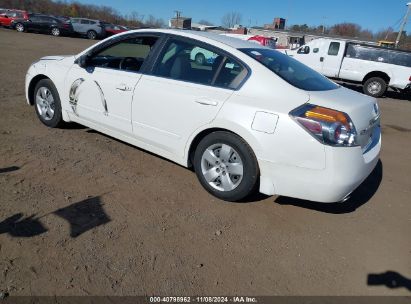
(83, 61)
(5, 16)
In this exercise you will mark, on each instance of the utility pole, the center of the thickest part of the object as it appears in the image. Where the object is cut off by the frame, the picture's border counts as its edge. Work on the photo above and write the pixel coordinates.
(404, 22)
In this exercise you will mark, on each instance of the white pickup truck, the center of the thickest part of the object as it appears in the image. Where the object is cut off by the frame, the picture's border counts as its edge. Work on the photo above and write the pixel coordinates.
(375, 68)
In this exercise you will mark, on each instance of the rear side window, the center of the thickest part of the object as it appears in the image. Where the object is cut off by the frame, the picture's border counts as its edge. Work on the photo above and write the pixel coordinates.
(291, 70)
(334, 48)
(187, 61)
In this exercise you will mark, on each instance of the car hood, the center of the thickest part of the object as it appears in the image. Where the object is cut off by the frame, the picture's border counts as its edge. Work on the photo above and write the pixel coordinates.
(363, 110)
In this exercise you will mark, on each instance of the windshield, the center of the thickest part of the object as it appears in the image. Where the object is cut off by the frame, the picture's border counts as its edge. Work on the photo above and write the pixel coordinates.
(291, 70)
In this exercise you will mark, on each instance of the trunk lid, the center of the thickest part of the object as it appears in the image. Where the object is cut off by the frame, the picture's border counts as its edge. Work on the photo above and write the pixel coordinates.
(363, 110)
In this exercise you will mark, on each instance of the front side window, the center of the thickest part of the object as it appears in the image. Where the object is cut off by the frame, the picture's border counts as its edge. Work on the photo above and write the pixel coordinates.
(304, 50)
(35, 19)
(127, 55)
(291, 70)
(334, 48)
(74, 21)
(83, 21)
(187, 61)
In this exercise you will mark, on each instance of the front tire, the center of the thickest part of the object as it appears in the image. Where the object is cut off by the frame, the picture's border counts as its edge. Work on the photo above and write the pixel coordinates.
(92, 35)
(20, 27)
(375, 87)
(47, 104)
(226, 166)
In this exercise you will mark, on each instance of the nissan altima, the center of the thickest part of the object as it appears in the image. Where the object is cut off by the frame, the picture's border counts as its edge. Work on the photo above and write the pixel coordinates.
(251, 119)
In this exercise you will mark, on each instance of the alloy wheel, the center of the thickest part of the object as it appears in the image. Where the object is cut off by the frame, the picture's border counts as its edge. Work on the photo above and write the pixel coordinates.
(222, 167)
(45, 103)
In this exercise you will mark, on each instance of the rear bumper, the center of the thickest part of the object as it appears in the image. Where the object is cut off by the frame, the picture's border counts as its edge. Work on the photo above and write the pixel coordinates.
(346, 169)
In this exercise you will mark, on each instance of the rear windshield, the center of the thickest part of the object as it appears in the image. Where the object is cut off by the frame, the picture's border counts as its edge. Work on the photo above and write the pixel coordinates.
(291, 70)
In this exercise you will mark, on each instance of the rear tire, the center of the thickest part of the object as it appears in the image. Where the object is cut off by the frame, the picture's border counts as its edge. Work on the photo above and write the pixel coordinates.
(20, 27)
(55, 32)
(226, 166)
(47, 104)
(375, 87)
(92, 35)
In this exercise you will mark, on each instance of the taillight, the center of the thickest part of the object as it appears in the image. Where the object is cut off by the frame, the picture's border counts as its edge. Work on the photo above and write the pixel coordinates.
(329, 126)
(409, 78)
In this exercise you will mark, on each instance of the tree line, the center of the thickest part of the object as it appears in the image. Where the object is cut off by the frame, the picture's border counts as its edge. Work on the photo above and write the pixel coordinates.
(77, 9)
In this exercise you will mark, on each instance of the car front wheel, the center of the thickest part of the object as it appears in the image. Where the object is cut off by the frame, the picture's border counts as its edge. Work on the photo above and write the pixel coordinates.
(226, 166)
(47, 104)
(20, 27)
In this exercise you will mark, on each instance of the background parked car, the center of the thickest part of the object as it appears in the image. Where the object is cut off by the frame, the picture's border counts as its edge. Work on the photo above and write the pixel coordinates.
(43, 24)
(8, 16)
(92, 29)
(112, 29)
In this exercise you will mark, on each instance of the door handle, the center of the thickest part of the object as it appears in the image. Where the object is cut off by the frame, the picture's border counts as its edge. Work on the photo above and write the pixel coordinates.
(321, 59)
(123, 87)
(206, 102)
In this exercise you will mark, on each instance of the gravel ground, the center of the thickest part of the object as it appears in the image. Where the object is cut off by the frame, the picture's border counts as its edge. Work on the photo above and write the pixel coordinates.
(84, 214)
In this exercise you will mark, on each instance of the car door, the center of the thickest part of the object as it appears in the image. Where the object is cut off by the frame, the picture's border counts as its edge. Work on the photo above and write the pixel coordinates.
(181, 95)
(102, 92)
(84, 26)
(311, 54)
(333, 58)
(76, 25)
(34, 23)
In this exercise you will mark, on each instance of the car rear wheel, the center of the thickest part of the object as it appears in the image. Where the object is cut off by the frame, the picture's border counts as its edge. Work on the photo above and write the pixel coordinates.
(20, 27)
(375, 86)
(226, 166)
(55, 32)
(200, 59)
(47, 104)
(92, 35)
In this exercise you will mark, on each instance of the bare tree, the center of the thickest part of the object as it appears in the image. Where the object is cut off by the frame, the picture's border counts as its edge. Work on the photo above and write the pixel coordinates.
(346, 29)
(205, 22)
(231, 19)
(154, 22)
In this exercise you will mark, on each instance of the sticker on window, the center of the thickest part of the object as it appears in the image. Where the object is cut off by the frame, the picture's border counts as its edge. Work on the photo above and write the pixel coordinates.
(229, 65)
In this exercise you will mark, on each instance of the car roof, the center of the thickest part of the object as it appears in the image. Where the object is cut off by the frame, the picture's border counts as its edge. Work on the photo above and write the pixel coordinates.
(229, 41)
(85, 19)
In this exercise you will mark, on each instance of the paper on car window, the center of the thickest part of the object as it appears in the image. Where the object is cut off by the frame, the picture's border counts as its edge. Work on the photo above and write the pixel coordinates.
(229, 65)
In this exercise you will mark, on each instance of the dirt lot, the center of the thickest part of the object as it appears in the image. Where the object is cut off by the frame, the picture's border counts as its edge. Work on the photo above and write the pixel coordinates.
(85, 214)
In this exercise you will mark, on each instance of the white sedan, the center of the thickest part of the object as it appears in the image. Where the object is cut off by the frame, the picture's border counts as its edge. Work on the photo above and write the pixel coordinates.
(253, 119)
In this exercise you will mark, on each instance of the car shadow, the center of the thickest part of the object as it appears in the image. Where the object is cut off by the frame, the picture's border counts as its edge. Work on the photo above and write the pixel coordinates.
(389, 94)
(358, 198)
(9, 169)
(17, 226)
(92, 131)
(84, 215)
(390, 279)
(74, 126)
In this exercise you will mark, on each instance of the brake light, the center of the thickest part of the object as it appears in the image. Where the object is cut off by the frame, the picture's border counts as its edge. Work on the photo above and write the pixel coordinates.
(409, 78)
(329, 126)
